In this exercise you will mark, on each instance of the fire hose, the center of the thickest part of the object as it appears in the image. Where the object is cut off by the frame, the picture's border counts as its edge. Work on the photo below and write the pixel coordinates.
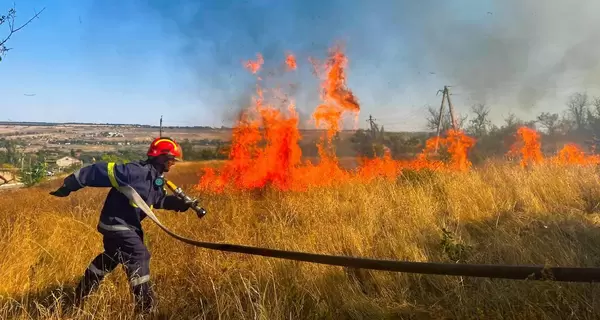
(514, 272)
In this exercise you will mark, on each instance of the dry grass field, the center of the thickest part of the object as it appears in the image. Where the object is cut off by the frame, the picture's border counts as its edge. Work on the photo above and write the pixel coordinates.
(497, 214)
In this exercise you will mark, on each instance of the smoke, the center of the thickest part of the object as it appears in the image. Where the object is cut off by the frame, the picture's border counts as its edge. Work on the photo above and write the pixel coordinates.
(522, 49)
(502, 52)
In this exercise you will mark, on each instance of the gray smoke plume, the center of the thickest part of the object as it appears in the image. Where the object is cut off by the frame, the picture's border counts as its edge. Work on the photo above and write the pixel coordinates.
(504, 52)
(522, 49)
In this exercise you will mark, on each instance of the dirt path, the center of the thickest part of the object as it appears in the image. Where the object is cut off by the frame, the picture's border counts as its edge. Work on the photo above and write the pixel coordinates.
(11, 186)
(16, 185)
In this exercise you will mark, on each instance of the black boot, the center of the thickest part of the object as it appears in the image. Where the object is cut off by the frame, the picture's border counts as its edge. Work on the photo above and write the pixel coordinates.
(145, 302)
(94, 274)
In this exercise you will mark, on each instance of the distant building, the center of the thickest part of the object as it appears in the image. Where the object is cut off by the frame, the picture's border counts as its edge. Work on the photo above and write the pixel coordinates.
(65, 162)
(112, 134)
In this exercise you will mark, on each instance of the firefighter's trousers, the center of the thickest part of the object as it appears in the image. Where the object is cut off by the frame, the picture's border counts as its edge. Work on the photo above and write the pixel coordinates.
(128, 249)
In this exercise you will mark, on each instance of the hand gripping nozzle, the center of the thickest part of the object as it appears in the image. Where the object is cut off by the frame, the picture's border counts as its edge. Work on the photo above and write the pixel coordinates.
(192, 202)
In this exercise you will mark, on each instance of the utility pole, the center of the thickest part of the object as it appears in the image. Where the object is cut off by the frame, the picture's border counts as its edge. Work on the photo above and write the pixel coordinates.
(452, 114)
(439, 122)
(160, 134)
(445, 96)
(373, 126)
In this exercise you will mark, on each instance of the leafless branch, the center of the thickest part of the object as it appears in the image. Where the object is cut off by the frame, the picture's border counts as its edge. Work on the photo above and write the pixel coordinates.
(10, 20)
(577, 105)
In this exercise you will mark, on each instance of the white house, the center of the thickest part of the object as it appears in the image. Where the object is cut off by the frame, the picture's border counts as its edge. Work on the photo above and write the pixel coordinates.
(65, 162)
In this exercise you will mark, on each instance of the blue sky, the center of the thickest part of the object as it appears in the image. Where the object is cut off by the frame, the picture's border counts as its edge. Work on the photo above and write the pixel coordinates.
(131, 61)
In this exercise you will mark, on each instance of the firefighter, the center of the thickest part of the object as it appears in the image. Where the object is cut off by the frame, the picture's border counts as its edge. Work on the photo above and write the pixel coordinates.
(120, 219)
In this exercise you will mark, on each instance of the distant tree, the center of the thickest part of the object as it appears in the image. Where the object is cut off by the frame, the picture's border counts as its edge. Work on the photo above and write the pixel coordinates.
(11, 155)
(9, 20)
(593, 115)
(363, 143)
(433, 120)
(34, 174)
(596, 104)
(480, 124)
(188, 149)
(403, 146)
(577, 106)
(549, 121)
(511, 120)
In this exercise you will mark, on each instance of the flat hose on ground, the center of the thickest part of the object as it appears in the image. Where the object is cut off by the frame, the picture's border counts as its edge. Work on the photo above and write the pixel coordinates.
(452, 269)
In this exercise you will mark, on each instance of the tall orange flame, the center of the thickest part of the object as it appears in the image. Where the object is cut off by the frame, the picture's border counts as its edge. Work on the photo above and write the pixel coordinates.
(265, 150)
(528, 146)
(337, 98)
(271, 156)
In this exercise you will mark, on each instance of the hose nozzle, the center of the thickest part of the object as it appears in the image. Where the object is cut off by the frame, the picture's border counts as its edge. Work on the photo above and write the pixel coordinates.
(192, 202)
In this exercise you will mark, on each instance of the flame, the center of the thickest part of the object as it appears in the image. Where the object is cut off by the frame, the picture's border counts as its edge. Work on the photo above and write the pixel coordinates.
(265, 150)
(252, 165)
(336, 96)
(572, 154)
(271, 156)
(290, 61)
(254, 66)
(458, 145)
(528, 146)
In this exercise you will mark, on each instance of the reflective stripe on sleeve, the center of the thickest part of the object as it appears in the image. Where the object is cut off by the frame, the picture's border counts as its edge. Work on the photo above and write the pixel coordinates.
(111, 175)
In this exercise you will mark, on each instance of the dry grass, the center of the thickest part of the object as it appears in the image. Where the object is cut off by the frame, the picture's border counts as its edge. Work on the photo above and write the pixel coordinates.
(499, 214)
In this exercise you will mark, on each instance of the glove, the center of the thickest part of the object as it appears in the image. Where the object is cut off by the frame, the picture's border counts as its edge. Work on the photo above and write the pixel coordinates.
(182, 206)
(173, 203)
(63, 191)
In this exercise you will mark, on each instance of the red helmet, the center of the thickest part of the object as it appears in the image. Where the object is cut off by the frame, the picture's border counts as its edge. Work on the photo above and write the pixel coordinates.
(166, 146)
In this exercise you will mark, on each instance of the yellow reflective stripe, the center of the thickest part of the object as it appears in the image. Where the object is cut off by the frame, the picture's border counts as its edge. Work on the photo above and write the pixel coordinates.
(135, 205)
(111, 175)
(113, 182)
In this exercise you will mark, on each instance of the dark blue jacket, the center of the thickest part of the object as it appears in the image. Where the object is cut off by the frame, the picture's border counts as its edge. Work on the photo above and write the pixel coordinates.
(118, 213)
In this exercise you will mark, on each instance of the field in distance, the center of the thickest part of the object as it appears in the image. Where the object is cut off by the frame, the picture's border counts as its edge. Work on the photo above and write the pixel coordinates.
(111, 137)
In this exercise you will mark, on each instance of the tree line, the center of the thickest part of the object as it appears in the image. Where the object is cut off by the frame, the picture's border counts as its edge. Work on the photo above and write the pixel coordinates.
(578, 122)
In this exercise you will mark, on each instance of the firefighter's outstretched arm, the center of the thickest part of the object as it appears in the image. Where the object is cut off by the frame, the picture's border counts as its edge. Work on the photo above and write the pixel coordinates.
(101, 174)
